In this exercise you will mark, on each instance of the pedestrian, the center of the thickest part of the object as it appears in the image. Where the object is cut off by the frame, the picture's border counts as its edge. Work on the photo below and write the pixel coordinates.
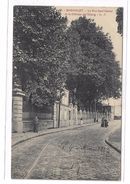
(36, 123)
(81, 121)
(102, 121)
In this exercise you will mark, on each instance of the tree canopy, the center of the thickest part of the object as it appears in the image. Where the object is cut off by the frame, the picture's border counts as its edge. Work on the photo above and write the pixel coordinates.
(98, 73)
(47, 54)
(119, 20)
(40, 52)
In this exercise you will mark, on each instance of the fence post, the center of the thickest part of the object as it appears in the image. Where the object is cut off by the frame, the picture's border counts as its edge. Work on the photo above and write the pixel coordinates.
(54, 115)
(75, 114)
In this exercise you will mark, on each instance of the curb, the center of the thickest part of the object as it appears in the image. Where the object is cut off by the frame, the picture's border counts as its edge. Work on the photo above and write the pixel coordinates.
(112, 146)
(46, 133)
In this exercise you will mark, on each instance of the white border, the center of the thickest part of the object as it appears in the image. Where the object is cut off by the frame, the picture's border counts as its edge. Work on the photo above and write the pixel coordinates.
(69, 2)
(3, 58)
(96, 3)
(127, 113)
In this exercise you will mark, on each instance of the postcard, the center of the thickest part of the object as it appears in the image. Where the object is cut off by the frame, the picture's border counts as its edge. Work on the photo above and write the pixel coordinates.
(66, 101)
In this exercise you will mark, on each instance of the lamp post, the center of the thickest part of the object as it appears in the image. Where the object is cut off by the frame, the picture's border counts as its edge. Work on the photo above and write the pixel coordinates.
(59, 113)
(95, 118)
(95, 104)
(59, 95)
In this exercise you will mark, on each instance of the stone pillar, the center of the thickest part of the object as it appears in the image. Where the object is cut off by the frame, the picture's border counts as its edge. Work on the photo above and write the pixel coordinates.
(54, 115)
(17, 109)
(85, 116)
(75, 114)
(71, 113)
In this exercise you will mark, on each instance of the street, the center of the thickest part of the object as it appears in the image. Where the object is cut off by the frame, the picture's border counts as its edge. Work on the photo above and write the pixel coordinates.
(79, 154)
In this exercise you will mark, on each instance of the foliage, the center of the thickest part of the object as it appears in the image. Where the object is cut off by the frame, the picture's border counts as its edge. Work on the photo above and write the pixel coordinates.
(97, 73)
(40, 59)
(47, 54)
(119, 20)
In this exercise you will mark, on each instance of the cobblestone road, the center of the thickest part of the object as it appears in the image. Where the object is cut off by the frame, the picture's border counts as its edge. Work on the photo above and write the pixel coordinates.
(75, 154)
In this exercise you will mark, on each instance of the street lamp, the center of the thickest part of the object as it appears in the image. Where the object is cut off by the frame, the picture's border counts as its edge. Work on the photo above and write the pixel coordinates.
(95, 104)
(95, 110)
(59, 95)
(59, 110)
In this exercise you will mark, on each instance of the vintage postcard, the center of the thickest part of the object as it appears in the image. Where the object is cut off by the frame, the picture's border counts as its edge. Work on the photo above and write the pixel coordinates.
(67, 75)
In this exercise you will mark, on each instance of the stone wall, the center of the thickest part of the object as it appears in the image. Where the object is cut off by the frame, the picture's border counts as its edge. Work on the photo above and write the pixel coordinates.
(43, 124)
(23, 121)
(62, 115)
(69, 115)
(45, 121)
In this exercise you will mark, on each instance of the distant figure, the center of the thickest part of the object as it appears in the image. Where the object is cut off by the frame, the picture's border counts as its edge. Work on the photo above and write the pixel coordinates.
(104, 122)
(95, 120)
(36, 123)
(81, 121)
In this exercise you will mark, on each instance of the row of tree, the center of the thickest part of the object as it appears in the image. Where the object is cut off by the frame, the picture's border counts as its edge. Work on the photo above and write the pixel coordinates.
(49, 55)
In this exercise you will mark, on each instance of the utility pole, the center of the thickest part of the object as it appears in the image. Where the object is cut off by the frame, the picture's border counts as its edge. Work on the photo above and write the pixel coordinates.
(59, 113)
(95, 104)
(95, 117)
(60, 96)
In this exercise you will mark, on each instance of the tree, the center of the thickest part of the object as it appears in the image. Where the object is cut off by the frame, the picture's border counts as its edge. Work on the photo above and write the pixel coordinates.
(119, 20)
(97, 73)
(39, 52)
(47, 54)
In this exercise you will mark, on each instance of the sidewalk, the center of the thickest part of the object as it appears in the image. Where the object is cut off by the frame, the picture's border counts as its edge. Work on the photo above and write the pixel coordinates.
(114, 140)
(21, 137)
